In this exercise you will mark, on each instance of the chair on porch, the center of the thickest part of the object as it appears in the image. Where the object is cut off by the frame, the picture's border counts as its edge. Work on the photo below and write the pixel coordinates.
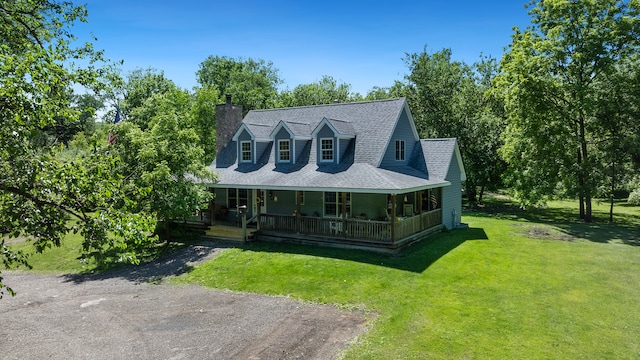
(335, 227)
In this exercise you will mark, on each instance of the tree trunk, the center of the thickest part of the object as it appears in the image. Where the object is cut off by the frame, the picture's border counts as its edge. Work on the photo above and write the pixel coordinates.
(584, 173)
(480, 195)
(587, 216)
(580, 185)
(613, 182)
(471, 193)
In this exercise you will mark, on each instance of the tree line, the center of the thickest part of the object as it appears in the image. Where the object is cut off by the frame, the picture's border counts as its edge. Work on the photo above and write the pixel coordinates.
(557, 116)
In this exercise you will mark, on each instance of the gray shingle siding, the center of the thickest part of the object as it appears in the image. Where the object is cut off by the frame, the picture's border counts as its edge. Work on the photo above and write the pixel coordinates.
(261, 148)
(299, 147)
(343, 145)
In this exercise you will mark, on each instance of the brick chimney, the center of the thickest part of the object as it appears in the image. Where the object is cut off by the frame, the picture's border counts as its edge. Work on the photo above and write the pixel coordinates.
(228, 120)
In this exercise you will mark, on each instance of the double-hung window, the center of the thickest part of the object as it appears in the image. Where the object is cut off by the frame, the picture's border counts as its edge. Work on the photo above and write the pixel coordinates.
(245, 151)
(237, 197)
(326, 148)
(400, 150)
(284, 150)
(333, 204)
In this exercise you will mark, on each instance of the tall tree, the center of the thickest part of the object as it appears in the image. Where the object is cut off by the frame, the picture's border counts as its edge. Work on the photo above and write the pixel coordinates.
(140, 87)
(617, 123)
(204, 115)
(251, 83)
(549, 78)
(88, 104)
(325, 91)
(451, 99)
(39, 192)
(162, 152)
(397, 90)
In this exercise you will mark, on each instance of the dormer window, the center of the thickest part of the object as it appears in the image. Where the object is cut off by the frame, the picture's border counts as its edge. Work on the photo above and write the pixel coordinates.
(245, 151)
(327, 149)
(400, 150)
(284, 150)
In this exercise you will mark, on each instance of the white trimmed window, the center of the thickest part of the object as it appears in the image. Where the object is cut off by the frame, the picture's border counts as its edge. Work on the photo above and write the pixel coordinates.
(400, 150)
(245, 151)
(333, 204)
(326, 149)
(284, 150)
(237, 197)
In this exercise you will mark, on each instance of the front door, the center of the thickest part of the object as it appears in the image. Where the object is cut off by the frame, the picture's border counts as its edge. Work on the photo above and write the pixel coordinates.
(259, 195)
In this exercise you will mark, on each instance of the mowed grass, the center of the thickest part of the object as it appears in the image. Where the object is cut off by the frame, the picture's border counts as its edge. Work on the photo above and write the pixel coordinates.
(62, 259)
(535, 284)
(68, 259)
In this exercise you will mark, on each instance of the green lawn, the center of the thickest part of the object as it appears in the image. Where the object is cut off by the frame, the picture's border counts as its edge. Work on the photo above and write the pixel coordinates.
(67, 258)
(63, 259)
(517, 284)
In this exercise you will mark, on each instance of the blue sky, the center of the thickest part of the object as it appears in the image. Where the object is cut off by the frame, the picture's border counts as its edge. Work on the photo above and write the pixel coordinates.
(362, 43)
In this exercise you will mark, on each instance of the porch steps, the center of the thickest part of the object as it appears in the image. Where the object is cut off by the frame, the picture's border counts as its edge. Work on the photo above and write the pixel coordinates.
(346, 243)
(227, 233)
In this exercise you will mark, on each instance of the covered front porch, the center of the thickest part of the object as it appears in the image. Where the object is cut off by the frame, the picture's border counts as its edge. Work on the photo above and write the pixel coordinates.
(364, 219)
(367, 231)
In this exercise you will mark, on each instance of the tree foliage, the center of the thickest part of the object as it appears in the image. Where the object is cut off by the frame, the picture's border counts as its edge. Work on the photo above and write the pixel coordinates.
(251, 83)
(40, 193)
(550, 79)
(325, 91)
(451, 99)
(397, 90)
(161, 149)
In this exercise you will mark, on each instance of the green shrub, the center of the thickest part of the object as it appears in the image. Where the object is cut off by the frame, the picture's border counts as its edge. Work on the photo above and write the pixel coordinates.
(634, 197)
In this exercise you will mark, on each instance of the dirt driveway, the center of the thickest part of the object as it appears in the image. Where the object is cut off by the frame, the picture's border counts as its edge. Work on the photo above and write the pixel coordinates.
(131, 315)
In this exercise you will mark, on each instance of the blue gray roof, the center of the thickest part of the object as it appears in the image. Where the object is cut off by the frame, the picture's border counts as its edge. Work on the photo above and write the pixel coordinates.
(438, 155)
(368, 126)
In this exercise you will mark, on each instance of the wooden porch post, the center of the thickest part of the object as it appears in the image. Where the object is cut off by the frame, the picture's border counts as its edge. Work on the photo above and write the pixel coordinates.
(298, 209)
(298, 201)
(393, 217)
(259, 201)
(343, 211)
(419, 205)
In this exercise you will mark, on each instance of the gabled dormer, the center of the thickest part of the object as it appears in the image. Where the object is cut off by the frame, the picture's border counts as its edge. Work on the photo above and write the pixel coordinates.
(289, 138)
(246, 145)
(402, 141)
(332, 139)
(250, 146)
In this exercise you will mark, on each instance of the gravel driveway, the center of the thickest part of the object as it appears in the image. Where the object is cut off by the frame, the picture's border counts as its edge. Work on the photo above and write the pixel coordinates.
(131, 314)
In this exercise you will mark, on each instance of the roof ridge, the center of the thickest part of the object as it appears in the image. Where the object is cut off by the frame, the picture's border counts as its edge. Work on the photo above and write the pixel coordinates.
(332, 104)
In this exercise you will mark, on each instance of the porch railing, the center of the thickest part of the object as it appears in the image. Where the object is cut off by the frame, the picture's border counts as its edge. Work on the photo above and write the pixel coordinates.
(412, 225)
(351, 228)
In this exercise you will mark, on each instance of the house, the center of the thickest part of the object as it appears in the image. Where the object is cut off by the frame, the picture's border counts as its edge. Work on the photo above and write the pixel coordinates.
(354, 174)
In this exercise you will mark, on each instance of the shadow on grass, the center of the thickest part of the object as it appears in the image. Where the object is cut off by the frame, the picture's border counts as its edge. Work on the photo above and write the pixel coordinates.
(177, 261)
(416, 258)
(624, 230)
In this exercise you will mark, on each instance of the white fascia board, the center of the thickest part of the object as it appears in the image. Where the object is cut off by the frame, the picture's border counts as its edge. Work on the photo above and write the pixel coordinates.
(280, 125)
(411, 121)
(320, 125)
(335, 189)
(239, 131)
(463, 173)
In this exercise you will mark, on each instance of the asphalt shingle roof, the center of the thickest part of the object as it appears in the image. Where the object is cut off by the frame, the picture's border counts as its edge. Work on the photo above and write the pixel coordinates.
(372, 123)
